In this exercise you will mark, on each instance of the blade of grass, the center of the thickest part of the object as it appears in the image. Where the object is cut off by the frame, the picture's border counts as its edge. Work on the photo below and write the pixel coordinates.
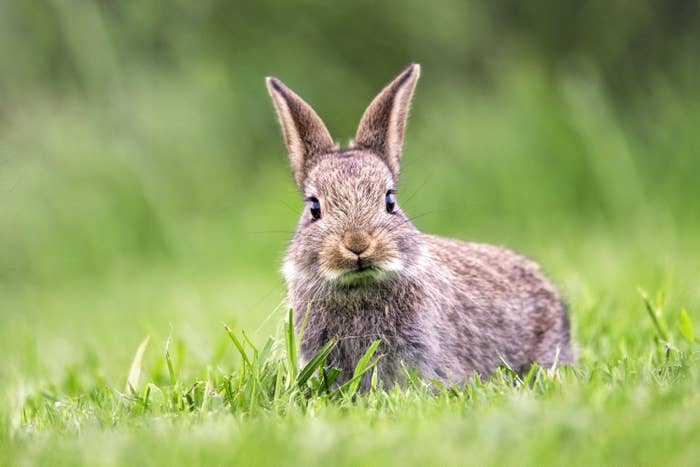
(135, 370)
(374, 380)
(661, 332)
(355, 379)
(169, 361)
(362, 367)
(531, 374)
(329, 377)
(146, 396)
(266, 350)
(252, 346)
(316, 362)
(291, 348)
(278, 382)
(686, 326)
(238, 344)
(362, 364)
(207, 391)
(507, 369)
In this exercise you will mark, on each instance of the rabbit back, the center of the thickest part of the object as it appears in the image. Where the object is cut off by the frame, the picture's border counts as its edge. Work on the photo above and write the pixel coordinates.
(494, 306)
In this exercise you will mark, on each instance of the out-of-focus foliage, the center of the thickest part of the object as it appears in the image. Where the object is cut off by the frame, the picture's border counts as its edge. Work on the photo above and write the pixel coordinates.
(81, 44)
(137, 134)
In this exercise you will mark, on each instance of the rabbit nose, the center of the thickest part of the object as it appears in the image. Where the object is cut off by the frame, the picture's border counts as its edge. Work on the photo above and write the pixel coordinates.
(356, 241)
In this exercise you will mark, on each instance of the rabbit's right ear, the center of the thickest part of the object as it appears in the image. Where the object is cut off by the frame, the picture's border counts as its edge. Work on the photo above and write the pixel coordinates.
(305, 134)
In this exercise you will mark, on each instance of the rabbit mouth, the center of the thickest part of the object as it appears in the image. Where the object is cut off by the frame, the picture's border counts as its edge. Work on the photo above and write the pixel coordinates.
(362, 275)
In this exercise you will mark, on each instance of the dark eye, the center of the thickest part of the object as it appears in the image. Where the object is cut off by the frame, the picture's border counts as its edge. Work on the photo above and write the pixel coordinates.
(315, 208)
(390, 200)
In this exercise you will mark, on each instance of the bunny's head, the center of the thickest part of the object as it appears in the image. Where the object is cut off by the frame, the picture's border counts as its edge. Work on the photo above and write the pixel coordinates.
(352, 232)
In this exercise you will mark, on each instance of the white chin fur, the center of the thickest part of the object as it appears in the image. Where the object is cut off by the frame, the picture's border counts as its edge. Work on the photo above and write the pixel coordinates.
(289, 270)
(385, 268)
(331, 275)
(394, 265)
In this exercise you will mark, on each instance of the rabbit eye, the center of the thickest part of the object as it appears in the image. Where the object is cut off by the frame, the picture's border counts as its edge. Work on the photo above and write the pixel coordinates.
(390, 201)
(315, 208)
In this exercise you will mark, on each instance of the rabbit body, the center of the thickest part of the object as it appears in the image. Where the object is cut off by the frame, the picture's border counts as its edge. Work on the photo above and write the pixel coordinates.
(474, 305)
(358, 270)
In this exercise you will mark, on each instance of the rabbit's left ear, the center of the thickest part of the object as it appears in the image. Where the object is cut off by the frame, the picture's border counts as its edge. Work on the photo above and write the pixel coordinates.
(383, 123)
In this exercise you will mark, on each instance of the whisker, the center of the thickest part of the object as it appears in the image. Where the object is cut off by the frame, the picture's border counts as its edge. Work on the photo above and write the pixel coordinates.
(418, 189)
(288, 206)
(418, 216)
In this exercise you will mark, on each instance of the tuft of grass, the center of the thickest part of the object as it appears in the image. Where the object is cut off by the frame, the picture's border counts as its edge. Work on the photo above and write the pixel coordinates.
(268, 410)
(269, 380)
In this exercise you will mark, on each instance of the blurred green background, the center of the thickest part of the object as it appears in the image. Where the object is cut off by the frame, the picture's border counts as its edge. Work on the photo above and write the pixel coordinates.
(144, 185)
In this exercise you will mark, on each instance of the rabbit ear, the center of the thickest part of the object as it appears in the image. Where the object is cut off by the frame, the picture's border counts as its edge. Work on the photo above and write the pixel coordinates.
(383, 123)
(305, 134)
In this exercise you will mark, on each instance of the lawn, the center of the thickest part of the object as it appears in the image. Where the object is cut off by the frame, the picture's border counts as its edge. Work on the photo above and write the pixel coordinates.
(142, 314)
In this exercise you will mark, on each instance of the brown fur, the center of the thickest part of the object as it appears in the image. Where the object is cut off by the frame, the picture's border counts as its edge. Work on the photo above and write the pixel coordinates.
(444, 307)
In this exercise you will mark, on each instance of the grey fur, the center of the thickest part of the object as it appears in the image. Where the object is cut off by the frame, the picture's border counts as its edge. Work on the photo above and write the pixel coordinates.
(444, 307)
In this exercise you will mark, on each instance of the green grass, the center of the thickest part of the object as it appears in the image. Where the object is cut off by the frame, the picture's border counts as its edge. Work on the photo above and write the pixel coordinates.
(161, 208)
(630, 411)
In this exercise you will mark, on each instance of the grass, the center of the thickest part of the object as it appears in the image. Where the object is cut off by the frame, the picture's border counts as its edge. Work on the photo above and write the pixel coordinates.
(156, 209)
(267, 410)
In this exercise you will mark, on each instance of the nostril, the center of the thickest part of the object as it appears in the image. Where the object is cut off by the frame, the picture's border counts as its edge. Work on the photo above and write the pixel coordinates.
(356, 241)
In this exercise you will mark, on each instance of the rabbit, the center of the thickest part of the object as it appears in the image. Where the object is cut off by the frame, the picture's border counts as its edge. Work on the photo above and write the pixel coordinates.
(357, 269)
